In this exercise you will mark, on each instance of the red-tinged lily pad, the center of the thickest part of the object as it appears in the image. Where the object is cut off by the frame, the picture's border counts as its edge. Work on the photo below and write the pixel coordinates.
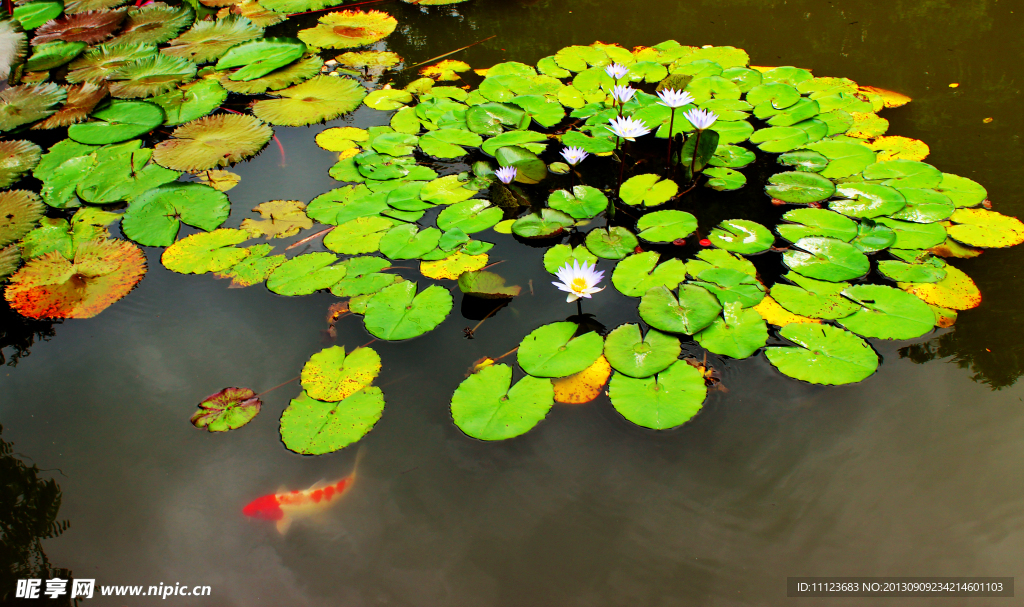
(51, 286)
(228, 409)
(81, 100)
(218, 140)
(89, 27)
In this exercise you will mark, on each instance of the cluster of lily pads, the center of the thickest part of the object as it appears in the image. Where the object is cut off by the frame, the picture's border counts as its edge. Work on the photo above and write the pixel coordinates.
(115, 80)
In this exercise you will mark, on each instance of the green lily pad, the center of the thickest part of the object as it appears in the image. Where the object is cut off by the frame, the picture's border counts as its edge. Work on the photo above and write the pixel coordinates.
(398, 312)
(191, 101)
(592, 145)
(102, 60)
(717, 258)
(395, 144)
(778, 139)
(386, 100)
(306, 274)
(211, 142)
(956, 291)
(741, 236)
(341, 205)
(637, 274)
(648, 189)
(150, 76)
(902, 271)
(562, 254)
(732, 156)
(845, 158)
(447, 190)
(407, 241)
(868, 200)
(493, 118)
(552, 351)
(914, 235)
(962, 191)
(873, 237)
(547, 224)
(313, 427)
(804, 160)
(330, 375)
(27, 103)
(583, 202)
(803, 109)
(924, 206)
(546, 113)
(260, 57)
(738, 333)
(826, 355)
(121, 121)
(799, 187)
(16, 158)
(732, 132)
(887, 313)
(813, 298)
(121, 172)
(725, 180)
(486, 406)
(359, 235)
(639, 356)
(611, 243)
(731, 286)
(229, 409)
(981, 228)
(669, 399)
(529, 168)
(349, 29)
(666, 226)
(153, 218)
(816, 222)
(528, 140)
(904, 174)
(695, 309)
(318, 99)
(487, 285)
(154, 23)
(53, 54)
(470, 216)
(826, 259)
(255, 268)
(449, 143)
(777, 95)
(205, 252)
(34, 14)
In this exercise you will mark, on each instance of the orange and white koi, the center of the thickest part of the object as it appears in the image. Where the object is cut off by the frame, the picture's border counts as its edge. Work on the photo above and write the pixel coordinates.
(287, 506)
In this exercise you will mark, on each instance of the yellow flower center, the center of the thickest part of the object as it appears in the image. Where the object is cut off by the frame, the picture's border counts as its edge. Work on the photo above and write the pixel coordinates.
(579, 285)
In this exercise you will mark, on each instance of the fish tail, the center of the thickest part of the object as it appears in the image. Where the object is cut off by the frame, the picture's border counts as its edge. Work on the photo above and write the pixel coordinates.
(283, 524)
(359, 457)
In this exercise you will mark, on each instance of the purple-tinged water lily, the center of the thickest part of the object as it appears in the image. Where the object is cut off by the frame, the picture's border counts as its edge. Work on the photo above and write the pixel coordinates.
(701, 119)
(673, 98)
(506, 174)
(616, 70)
(578, 281)
(574, 155)
(627, 128)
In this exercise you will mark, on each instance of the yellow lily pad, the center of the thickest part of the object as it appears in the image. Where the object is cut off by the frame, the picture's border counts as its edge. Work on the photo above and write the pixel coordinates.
(445, 70)
(952, 248)
(281, 219)
(890, 98)
(956, 291)
(220, 180)
(774, 314)
(988, 229)
(453, 266)
(341, 139)
(867, 125)
(584, 386)
(895, 147)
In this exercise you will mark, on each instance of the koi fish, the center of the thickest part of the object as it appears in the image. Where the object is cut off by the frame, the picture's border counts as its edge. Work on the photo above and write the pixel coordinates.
(287, 506)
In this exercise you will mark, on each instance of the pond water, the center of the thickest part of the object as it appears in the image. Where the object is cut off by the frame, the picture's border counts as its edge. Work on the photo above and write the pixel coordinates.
(915, 471)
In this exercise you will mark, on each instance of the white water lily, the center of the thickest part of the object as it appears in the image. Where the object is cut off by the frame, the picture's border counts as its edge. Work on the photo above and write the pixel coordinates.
(628, 128)
(574, 155)
(673, 98)
(616, 70)
(622, 94)
(701, 119)
(578, 281)
(506, 174)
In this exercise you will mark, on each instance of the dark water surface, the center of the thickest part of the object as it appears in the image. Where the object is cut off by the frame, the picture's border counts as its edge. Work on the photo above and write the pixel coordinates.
(916, 471)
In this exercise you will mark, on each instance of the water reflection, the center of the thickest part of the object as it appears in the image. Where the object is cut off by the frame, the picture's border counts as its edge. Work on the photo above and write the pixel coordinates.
(28, 515)
(18, 334)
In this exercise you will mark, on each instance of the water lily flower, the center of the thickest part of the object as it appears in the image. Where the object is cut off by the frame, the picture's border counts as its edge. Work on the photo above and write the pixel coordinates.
(506, 174)
(673, 98)
(701, 119)
(578, 281)
(574, 155)
(628, 128)
(616, 70)
(622, 94)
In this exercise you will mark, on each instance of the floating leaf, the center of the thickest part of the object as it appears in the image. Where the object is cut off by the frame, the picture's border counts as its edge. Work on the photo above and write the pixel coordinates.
(298, 6)
(453, 266)
(717, 258)
(20, 211)
(732, 156)
(730, 285)
(150, 76)
(778, 139)
(119, 121)
(898, 148)
(813, 298)
(387, 99)
(153, 219)
(582, 387)
(16, 158)
(816, 222)
(987, 229)
(912, 272)
(546, 224)
(666, 226)
(867, 125)
(339, 139)
(486, 406)
(10, 259)
(887, 313)
(725, 180)
(552, 351)
(331, 376)
(122, 171)
(956, 291)
(694, 310)
(470, 216)
(924, 206)
(281, 219)
(961, 190)
(306, 274)
(669, 399)
(191, 101)
(527, 140)
(774, 314)
(229, 409)
(904, 174)
(349, 29)
(27, 103)
(154, 23)
(397, 312)
(487, 285)
(827, 355)
(254, 269)
(637, 274)
(868, 200)
(738, 333)
(89, 27)
(563, 254)
(447, 143)
(53, 54)
(636, 356)
(51, 286)
(293, 73)
(649, 190)
(80, 102)
(208, 40)
(611, 243)
(741, 236)
(529, 168)
(799, 187)
(914, 235)
(258, 58)
(313, 427)
(218, 140)
(826, 259)
(205, 252)
(491, 118)
(804, 160)
(406, 241)
(445, 70)
(34, 14)
(583, 202)
(364, 277)
(316, 100)
(845, 158)
(359, 235)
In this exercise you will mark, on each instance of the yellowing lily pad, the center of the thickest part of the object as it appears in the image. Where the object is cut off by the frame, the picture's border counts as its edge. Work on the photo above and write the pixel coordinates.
(281, 219)
(330, 375)
(774, 314)
(349, 29)
(584, 386)
(956, 291)
(986, 229)
(213, 141)
(895, 147)
(452, 267)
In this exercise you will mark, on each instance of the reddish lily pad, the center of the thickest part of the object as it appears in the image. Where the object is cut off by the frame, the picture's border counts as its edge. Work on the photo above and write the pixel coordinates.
(228, 409)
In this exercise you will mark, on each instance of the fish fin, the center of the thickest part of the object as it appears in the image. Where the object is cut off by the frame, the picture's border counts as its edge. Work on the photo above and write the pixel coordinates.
(359, 458)
(320, 484)
(283, 525)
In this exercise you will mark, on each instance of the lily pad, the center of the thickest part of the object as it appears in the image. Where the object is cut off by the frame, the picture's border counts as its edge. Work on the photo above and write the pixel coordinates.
(738, 333)
(956, 291)
(924, 206)
(527, 140)
(205, 252)
(731, 286)
(89, 27)
(816, 222)
(826, 259)
(813, 298)
(306, 274)
(81, 100)
(150, 76)
(563, 254)
(902, 271)
(229, 409)
(154, 218)
(492, 118)
(16, 158)
(962, 191)
(20, 211)
(648, 190)
(887, 313)
(406, 241)
(904, 174)
(826, 355)
(449, 143)
(453, 266)
(639, 356)
(120, 121)
(741, 236)
(548, 223)
(359, 235)
(732, 156)
(986, 229)
(213, 141)
(799, 187)
(779, 139)
(280, 219)
(868, 200)
(552, 351)
(331, 375)
(349, 29)
(529, 168)
(486, 406)
(583, 202)
(666, 226)
(611, 243)
(449, 189)
(669, 399)
(53, 54)
(487, 285)
(398, 312)
(34, 14)
(637, 274)
(470, 216)
(27, 103)
(845, 158)
(804, 160)
(898, 148)
(695, 309)
(255, 268)
(190, 101)
(99, 62)
(258, 58)
(318, 99)
(725, 180)
(313, 427)
(51, 286)
(914, 235)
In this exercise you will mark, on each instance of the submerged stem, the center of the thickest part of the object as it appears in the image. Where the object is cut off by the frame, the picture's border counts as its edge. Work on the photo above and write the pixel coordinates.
(693, 160)
(668, 157)
(278, 386)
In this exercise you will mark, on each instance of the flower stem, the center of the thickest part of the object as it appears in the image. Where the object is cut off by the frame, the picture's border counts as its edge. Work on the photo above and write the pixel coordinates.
(668, 158)
(579, 307)
(693, 161)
